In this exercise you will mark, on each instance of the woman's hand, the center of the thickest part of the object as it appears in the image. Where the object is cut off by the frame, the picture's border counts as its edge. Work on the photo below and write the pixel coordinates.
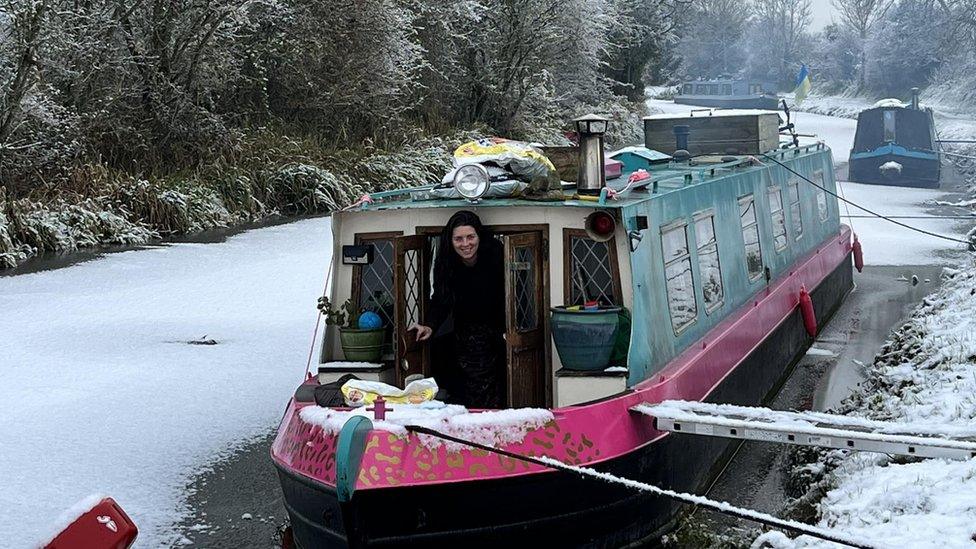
(423, 332)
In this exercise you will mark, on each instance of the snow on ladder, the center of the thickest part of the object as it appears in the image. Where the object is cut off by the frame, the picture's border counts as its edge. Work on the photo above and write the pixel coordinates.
(810, 429)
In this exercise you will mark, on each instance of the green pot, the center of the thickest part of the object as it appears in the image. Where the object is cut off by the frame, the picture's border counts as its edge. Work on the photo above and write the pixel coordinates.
(362, 345)
(584, 339)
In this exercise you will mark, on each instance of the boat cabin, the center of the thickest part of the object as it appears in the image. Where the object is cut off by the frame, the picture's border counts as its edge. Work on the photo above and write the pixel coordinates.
(728, 93)
(679, 251)
(895, 144)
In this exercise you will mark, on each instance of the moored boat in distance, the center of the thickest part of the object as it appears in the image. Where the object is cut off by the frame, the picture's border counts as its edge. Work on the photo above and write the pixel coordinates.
(728, 93)
(896, 144)
(708, 255)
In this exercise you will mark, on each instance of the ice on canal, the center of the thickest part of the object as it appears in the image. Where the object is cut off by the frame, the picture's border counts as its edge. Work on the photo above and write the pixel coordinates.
(102, 394)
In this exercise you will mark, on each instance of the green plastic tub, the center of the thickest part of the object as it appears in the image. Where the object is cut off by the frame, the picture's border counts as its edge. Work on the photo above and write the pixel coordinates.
(362, 345)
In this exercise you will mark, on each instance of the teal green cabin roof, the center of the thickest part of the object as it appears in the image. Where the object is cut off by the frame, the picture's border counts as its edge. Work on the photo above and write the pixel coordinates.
(665, 178)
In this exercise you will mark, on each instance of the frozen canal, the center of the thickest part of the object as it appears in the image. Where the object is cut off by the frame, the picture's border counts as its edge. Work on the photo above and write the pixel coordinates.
(103, 393)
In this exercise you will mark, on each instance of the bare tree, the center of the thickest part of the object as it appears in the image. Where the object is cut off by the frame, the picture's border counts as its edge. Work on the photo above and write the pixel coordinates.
(779, 28)
(859, 16)
(24, 21)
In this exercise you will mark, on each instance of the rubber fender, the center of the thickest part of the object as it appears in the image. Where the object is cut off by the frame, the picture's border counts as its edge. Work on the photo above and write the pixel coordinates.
(858, 255)
(806, 309)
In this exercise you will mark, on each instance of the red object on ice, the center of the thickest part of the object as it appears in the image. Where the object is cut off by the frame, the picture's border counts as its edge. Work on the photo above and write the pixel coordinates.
(806, 309)
(104, 526)
(858, 255)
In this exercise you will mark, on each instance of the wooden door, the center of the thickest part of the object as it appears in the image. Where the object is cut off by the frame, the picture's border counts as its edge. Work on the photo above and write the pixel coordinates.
(525, 320)
(410, 291)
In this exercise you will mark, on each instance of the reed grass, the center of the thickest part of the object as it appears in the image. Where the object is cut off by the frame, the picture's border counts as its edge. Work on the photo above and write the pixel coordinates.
(270, 175)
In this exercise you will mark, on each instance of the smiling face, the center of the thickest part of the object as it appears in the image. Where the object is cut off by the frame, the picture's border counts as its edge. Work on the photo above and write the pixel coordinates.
(465, 241)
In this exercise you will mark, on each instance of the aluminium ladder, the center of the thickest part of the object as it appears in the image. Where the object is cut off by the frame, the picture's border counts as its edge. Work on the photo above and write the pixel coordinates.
(810, 429)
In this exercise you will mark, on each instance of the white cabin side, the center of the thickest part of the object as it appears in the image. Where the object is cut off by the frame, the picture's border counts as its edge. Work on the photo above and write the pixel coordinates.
(352, 227)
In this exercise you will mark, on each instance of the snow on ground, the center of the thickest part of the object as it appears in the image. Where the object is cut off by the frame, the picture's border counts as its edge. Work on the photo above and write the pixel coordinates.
(924, 374)
(887, 244)
(100, 392)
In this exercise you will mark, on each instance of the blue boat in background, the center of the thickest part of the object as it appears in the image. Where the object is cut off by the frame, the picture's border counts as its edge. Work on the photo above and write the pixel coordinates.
(895, 144)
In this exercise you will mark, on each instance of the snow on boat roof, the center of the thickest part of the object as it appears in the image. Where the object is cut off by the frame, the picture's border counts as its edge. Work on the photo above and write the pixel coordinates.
(889, 102)
(704, 112)
(491, 427)
(643, 152)
(665, 178)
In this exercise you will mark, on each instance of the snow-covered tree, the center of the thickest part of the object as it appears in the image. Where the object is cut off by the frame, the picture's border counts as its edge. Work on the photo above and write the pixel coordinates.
(777, 37)
(906, 47)
(857, 18)
(712, 43)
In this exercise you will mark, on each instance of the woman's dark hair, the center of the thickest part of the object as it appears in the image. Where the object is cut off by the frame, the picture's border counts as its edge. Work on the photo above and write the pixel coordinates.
(448, 260)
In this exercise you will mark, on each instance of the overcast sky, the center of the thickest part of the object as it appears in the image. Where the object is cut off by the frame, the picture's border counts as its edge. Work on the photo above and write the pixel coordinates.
(822, 13)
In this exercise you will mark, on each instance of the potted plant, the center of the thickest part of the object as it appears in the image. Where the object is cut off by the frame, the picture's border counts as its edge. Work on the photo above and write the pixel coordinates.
(361, 332)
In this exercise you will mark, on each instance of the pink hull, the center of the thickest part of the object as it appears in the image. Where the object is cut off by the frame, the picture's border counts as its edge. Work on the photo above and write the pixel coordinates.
(581, 435)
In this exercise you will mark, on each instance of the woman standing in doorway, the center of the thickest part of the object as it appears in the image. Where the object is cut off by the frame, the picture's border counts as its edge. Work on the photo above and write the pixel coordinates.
(467, 309)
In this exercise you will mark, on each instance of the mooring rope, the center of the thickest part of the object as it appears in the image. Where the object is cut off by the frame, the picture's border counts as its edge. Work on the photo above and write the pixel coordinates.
(718, 506)
(947, 153)
(858, 206)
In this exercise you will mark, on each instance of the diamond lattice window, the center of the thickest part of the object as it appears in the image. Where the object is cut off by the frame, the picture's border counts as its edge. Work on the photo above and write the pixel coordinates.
(591, 275)
(525, 308)
(376, 281)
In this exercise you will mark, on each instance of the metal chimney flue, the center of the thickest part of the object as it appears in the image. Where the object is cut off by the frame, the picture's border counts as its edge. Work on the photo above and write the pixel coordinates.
(915, 98)
(592, 177)
(681, 132)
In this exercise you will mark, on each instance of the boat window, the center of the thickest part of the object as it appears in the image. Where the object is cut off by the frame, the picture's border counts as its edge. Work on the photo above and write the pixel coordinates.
(750, 235)
(778, 217)
(687, 89)
(373, 284)
(711, 272)
(677, 274)
(889, 126)
(793, 188)
(524, 267)
(590, 270)
(821, 196)
(713, 89)
(755, 88)
(726, 89)
(701, 89)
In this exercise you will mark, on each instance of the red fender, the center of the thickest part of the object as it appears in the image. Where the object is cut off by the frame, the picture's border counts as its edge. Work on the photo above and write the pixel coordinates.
(858, 255)
(806, 309)
(103, 526)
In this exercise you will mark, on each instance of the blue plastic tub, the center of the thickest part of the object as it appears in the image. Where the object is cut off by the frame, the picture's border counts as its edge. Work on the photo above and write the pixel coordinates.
(585, 338)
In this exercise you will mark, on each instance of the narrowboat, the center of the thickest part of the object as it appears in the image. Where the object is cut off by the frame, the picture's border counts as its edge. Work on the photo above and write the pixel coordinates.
(895, 144)
(729, 93)
(708, 255)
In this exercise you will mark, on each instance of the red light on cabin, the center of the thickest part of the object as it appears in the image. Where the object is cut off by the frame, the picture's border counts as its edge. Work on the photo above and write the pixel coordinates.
(603, 224)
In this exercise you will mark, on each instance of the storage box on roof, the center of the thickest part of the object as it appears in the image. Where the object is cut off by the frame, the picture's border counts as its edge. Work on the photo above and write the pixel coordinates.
(715, 132)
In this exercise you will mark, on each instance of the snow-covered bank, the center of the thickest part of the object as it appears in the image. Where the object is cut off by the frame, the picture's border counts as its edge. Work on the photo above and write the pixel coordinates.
(102, 393)
(924, 375)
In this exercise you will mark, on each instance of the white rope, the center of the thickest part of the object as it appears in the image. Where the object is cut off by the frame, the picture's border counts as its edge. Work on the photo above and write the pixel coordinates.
(720, 506)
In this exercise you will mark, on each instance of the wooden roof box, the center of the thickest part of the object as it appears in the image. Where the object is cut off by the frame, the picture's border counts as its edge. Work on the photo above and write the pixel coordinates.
(715, 132)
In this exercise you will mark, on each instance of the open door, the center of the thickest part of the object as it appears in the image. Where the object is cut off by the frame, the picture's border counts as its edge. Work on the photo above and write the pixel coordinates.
(525, 320)
(410, 291)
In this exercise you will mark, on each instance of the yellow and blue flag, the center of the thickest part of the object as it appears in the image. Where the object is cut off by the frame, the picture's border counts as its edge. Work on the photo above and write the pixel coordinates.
(802, 84)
